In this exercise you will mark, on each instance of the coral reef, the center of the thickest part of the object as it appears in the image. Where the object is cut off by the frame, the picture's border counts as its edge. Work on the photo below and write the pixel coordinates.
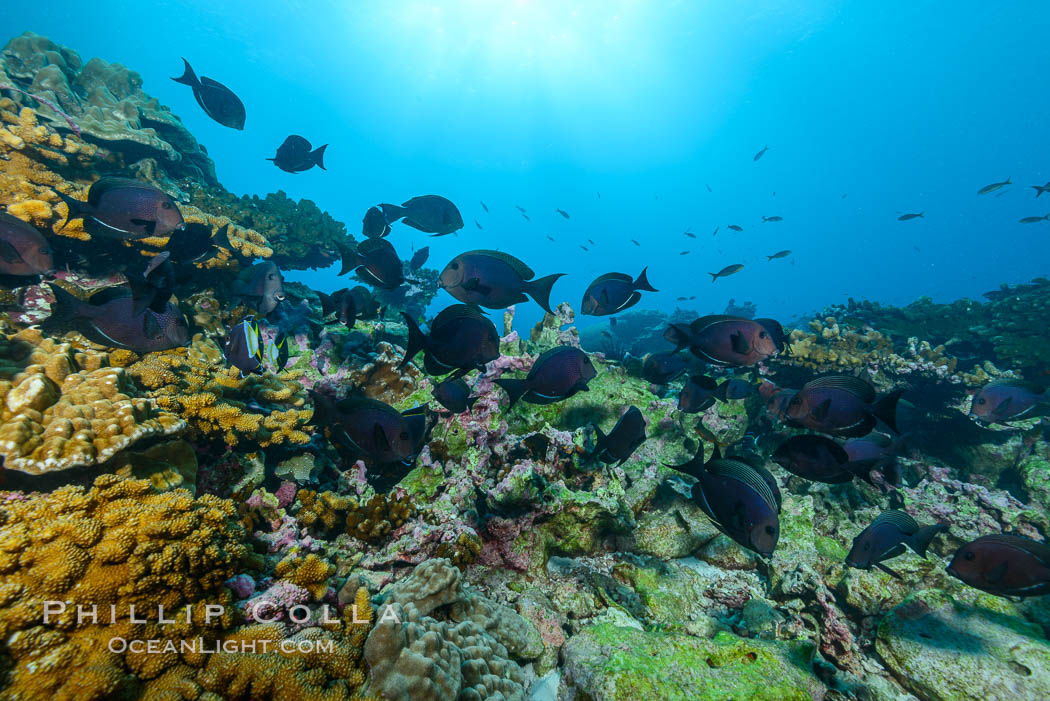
(195, 384)
(65, 407)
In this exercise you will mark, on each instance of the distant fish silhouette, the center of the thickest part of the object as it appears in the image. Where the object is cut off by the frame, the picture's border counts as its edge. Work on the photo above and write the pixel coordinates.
(217, 100)
(993, 187)
(910, 216)
(562, 212)
(708, 187)
(484, 206)
(760, 153)
(296, 154)
(478, 224)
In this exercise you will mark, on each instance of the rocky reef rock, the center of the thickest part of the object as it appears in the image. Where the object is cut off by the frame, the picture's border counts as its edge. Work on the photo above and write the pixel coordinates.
(943, 650)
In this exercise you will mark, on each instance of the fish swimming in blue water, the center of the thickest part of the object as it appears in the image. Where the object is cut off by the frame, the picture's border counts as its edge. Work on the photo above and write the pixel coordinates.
(887, 537)
(614, 292)
(218, 101)
(297, 155)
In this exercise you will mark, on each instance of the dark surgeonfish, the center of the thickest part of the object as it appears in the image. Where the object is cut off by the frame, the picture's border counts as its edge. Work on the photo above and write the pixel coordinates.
(875, 451)
(368, 428)
(614, 292)
(461, 339)
(1033, 220)
(1003, 401)
(663, 367)
(887, 537)
(780, 254)
(125, 209)
(107, 318)
(263, 284)
(296, 154)
(820, 459)
(217, 100)
(910, 216)
(743, 500)
(194, 243)
(562, 212)
(495, 280)
(760, 153)
(366, 304)
(243, 346)
(625, 438)
(842, 405)
(431, 214)
(727, 271)
(1004, 565)
(23, 250)
(154, 286)
(342, 304)
(419, 258)
(993, 187)
(558, 374)
(374, 225)
(454, 395)
(734, 227)
(376, 263)
(724, 340)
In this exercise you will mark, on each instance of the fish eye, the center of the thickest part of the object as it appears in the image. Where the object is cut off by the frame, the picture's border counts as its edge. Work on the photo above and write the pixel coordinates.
(166, 205)
(770, 530)
(761, 334)
(795, 401)
(867, 546)
(454, 266)
(968, 555)
(982, 400)
(404, 435)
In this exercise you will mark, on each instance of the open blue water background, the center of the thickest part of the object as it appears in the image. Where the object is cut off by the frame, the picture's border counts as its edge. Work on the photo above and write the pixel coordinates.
(870, 110)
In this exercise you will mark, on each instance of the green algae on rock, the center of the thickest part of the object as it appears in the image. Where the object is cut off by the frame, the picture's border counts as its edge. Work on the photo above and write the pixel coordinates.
(616, 663)
(944, 650)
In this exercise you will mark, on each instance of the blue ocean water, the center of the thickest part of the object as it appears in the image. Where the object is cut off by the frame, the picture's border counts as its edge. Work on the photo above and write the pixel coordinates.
(869, 110)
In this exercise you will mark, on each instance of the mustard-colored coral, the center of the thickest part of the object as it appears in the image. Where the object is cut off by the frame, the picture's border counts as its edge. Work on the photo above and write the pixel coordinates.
(194, 383)
(310, 572)
(379, 516)
(322, 512)
(833, 347)
(66, 408)
(115, 545)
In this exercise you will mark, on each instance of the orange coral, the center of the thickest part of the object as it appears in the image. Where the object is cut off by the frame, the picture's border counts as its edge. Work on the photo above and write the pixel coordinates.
(310, 572)
(65, 408)
(115, 545)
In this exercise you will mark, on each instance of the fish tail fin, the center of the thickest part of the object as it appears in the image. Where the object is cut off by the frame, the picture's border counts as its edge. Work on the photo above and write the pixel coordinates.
(65, 306)
(920, 540)
(514, 389)
(142, 294)
(317, 156)
(351, 259)
(922, 213)
(767, 258)
(642, 283)
(721, 392)
(674, 334)
(188, 77)
(392, 212)
(327, 304)
(885, 409)
(416, 340)
(714, 276)
(77, 209)
(694, 467)
(540, 290)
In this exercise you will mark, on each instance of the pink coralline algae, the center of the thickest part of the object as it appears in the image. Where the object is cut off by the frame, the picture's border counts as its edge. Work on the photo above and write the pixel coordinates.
(274, 603)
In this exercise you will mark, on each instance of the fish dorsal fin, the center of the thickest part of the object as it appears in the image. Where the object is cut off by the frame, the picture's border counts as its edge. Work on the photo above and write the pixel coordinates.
(372, 246)
(212, 83)
(619, 277)
(455, 312)
(900, 520)
(1039, 551)
(703, 322)
(109, 294)
(742, 472)
(524, 271)
(108, 184)
(703, 381)
(1020, 384)
(846, 383)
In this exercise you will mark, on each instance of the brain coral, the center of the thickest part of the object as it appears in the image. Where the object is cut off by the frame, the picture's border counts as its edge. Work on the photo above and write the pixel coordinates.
(195, 384)
(115, 545)
(63, 408)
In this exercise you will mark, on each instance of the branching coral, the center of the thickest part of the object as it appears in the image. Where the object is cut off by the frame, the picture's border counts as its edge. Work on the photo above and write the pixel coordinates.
(310, 572)
(380, 515)
(194, 383)
(118, 545)
(65, 408)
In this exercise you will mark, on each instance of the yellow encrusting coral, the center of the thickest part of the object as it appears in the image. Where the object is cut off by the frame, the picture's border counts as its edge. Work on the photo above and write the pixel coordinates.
(216, 401)
(115, 545)
(310, 572)
(65, 408)
(377, 517)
